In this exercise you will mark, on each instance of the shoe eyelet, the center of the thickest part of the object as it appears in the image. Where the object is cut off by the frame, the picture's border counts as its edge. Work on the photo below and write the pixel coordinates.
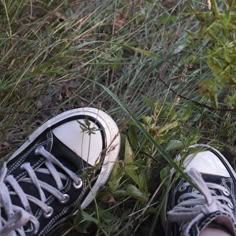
(78, 185)
(182, 188)
(65, 199)
(38, 150)
(226, 192)
(48, 213)
(230, 205)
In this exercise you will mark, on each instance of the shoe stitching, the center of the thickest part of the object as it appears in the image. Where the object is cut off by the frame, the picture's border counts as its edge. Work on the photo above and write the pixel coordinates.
(19, 162)
(52, 221)
(51, 198)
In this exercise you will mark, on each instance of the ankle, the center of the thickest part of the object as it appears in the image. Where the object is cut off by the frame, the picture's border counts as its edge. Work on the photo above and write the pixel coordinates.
(216, 231)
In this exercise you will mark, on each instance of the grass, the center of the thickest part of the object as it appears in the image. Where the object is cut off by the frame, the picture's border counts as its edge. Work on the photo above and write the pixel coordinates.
(135, 60)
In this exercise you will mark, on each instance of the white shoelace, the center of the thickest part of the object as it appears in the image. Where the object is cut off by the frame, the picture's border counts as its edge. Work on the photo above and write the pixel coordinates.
(17, 217)
(193, 206)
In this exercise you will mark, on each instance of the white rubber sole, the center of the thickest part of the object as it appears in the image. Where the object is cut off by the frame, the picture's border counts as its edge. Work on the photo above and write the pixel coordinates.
(112, 136)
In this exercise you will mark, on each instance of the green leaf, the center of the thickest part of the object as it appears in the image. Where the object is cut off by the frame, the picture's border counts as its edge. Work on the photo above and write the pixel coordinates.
(164, 173)
(129, 156)
(215, 9)
(174, 145)
(115, 178)
(131, 169)
(167, 19)
(133, 136)
(168, 127)
(147, 120)
(88, 217)
(134, 192)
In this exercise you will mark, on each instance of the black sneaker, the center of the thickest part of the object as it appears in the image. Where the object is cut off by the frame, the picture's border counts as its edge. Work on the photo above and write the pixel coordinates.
(212, 202)
(57, 171)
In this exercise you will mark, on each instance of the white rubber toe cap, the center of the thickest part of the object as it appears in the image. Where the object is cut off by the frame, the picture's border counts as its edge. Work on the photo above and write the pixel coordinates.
(206, 162)
(87, 145)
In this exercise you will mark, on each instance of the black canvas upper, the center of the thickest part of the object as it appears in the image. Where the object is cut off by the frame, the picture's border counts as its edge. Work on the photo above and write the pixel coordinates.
(69, 159)
(181, 187)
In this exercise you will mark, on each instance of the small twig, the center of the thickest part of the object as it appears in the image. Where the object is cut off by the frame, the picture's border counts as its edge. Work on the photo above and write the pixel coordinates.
(164, 65)
(187, 98)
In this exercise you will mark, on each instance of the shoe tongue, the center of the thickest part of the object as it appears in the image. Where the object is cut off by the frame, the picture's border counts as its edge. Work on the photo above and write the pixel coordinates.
(28, 155)
(67, 157)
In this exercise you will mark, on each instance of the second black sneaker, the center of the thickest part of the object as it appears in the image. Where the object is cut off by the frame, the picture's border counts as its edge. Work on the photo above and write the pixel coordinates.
(208, 201)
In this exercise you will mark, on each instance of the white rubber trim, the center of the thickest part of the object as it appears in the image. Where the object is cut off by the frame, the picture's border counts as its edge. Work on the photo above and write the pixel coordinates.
(112, 137)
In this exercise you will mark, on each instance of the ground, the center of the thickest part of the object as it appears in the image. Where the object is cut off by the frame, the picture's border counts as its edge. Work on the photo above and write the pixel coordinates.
(140, 61)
